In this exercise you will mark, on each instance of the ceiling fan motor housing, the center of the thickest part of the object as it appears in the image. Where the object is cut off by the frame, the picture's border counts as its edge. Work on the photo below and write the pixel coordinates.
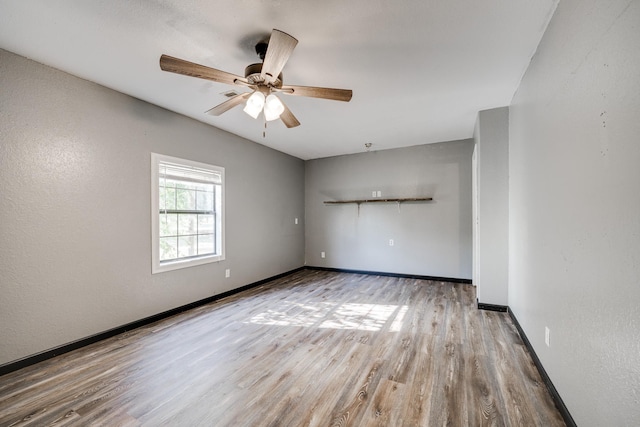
(252, 74)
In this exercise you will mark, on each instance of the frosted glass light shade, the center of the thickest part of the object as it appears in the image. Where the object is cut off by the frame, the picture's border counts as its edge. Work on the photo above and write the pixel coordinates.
(273, 107)
(254, 104)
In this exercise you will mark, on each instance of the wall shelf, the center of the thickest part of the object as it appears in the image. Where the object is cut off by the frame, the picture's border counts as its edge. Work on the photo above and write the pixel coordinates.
(401, 200)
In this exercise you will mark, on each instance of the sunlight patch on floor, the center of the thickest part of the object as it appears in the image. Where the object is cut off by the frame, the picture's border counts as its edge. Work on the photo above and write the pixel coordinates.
(364, 317)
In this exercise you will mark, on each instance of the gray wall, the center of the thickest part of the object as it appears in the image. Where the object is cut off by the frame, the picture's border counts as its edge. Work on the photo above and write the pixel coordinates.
(574, 219)
(75, 252)
(491, 238)
(429, 238)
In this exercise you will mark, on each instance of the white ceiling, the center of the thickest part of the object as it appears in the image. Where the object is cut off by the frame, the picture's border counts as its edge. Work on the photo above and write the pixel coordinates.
(420, 70)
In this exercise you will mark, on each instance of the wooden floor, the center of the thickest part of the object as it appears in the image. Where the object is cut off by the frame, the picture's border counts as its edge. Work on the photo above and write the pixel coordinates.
(314, 348)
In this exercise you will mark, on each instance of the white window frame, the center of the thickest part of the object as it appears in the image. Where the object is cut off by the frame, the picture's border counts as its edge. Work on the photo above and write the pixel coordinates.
(156, 265)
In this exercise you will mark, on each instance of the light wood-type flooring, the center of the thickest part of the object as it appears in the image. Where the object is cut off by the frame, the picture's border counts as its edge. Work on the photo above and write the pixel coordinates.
(314, 348)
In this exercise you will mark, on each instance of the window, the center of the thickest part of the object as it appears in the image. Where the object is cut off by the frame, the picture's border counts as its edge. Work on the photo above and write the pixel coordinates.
(187, 213)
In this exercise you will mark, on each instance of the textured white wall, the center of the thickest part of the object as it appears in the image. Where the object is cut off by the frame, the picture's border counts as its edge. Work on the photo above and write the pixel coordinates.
(574, 219)
(431, 239)
(75, 210)
(492, 229)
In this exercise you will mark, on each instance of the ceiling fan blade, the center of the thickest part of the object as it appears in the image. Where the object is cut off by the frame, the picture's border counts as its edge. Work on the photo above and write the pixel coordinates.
(319, 92)
(280, 47)
(229, 104)
(180, 66)
(288, 118)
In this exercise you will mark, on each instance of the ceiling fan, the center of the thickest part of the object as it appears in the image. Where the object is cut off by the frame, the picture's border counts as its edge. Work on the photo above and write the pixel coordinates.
(264, 78)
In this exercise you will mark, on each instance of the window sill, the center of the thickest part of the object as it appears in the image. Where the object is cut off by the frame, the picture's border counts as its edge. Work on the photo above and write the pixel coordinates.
(177, 265)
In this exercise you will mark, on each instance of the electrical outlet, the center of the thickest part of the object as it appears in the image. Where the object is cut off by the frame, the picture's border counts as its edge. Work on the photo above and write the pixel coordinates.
(296, 221)
(321, 254)
(373, 193)
(227, 273)
(379, 193)
(391, 243)
(546, 336)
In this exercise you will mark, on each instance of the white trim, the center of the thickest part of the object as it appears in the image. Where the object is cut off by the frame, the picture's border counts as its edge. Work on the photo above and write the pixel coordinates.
(156, 267)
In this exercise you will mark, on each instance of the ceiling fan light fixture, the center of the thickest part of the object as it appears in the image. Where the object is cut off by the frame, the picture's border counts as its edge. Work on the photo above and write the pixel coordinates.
(273, 107)
(254, 104)
(263, 78)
